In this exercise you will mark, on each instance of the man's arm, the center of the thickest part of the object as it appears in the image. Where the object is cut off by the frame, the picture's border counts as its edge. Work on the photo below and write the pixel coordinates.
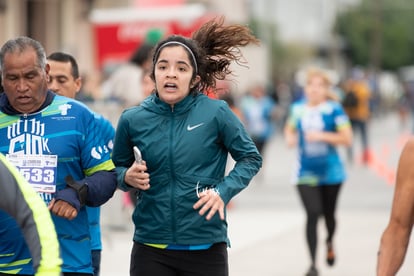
(395, 239)
(97, 189)
(99, 184)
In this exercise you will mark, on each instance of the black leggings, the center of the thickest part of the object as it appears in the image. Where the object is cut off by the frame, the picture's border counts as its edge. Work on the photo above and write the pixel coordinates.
(150, 261)
(319, 200)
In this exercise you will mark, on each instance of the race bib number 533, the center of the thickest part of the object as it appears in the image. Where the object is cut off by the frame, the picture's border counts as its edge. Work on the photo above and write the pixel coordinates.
(38, 170)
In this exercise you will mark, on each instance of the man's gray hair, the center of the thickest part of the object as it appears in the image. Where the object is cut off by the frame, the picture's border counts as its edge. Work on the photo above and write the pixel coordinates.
(21, 44)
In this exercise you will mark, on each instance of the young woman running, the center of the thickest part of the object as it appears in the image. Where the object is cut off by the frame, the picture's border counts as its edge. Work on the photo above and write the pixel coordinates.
(317, 125)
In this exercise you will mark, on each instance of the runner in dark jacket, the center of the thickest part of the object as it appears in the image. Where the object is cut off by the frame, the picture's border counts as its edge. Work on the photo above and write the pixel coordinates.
(185, 137)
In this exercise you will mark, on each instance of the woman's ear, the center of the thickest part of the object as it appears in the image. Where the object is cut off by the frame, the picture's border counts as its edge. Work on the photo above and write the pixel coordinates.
(195, 81)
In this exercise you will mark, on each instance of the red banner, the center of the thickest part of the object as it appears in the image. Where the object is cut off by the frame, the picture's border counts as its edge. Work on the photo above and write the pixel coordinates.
(116, 39)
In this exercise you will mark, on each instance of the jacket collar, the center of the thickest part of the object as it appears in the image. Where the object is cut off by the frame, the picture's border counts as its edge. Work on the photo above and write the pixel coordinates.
(155, 104)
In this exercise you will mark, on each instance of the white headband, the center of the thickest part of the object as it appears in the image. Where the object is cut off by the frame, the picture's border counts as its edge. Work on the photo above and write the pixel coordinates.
(183, 45)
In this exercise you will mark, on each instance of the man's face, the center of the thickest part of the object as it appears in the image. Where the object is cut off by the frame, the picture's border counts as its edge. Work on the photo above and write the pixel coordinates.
(24, 81)
(61, 80)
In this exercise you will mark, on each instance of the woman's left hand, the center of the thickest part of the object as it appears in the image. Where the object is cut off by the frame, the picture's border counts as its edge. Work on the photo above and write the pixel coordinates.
(211, 202)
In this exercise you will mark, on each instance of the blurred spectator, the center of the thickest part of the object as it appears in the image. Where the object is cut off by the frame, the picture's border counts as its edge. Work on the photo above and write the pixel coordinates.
(284, 93)
(125, 84)
(229, 98)
(224, 92)
(148, 86)
(356, 103)
(375, 100)
(296, 89)
(258, 109)
(85, 95)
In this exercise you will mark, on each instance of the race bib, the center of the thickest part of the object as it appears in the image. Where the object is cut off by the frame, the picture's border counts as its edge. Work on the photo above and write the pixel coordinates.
(39, 171)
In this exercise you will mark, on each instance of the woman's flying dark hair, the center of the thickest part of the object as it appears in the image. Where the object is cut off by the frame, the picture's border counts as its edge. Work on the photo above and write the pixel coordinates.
(211, 50)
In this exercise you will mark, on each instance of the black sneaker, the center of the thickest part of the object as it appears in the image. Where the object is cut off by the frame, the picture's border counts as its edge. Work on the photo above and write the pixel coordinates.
(330, 254)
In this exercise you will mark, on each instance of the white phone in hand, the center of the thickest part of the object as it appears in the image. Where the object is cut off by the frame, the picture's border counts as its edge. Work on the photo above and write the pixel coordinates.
(137, 154)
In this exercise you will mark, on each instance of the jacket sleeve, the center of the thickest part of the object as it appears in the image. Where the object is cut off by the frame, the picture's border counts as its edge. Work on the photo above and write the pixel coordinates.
(101, 187)
(20, 201)
(243, 151)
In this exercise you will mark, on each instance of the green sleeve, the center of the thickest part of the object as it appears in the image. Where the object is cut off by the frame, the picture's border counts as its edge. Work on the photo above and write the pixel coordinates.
(243, 151)
(122, 154)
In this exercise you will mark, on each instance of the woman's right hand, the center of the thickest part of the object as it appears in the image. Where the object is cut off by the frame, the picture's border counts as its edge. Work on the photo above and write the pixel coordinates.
(137, 177)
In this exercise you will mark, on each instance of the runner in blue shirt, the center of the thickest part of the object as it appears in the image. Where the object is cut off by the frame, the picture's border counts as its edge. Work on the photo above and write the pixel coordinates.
(317, 125)
(58, 145)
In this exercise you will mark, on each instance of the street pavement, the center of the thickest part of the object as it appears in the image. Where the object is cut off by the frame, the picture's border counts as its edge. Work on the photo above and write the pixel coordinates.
(266, 221)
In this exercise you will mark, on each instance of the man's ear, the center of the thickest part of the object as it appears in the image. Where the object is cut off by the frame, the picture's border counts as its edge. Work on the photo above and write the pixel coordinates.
(47, 68)
(78, 83)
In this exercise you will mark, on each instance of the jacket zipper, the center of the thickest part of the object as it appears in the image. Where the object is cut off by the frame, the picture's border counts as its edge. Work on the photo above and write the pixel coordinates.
(173, 179)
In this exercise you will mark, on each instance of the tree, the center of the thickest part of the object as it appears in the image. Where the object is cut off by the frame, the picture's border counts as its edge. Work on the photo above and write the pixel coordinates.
(378, 34)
